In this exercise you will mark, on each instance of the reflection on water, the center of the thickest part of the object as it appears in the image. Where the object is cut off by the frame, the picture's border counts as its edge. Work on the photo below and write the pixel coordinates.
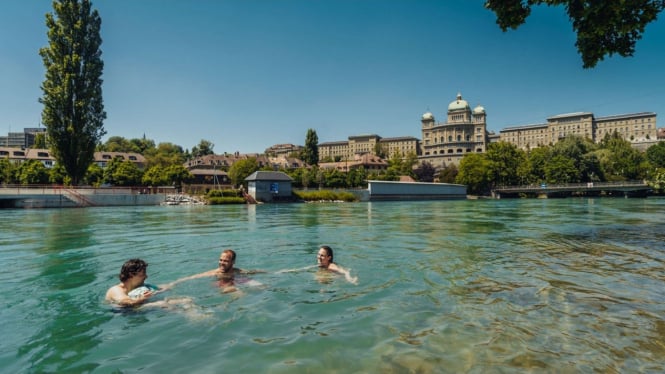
(572, 285)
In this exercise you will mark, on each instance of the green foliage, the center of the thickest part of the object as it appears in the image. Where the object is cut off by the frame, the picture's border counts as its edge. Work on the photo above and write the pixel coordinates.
(224, 193)
(226, 200)
(32, 172)
(621, 161)
(425, 172)
(178, 174)
(73, 107)
(379, 151)
(311, 151)
(561, 169)
(120, 144)
(94, 176)
(242, 169)
(40, 141)
(334, 178)
(657, 181)
(603, 27)
(504, 161)
(155, 176)
(7, 170)
(325, 195)
(58, 175)
(656, 155)
(356, 178)
(122, 173)
(204, 148)
(474, 172)
(533, 171)
(447, 175)
(165, 154)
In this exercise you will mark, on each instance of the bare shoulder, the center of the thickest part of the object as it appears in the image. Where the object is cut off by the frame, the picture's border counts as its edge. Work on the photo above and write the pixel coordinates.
(115, 293)
(336, 268)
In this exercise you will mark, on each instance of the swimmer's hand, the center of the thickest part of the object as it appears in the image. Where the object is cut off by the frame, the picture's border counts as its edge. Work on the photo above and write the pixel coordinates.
(350, 279)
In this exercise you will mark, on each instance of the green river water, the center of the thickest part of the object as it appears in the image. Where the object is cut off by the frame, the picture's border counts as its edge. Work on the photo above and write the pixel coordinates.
(475, 286)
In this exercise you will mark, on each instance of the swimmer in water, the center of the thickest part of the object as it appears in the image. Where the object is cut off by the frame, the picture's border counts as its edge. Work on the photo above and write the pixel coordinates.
(225, 272)
(324, 259)
(132, 276)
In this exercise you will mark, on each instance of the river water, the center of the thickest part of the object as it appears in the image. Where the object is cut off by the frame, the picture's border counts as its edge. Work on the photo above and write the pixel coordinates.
(510, 286)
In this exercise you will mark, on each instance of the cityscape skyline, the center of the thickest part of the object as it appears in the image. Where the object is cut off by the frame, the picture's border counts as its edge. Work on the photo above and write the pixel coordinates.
(248, 75)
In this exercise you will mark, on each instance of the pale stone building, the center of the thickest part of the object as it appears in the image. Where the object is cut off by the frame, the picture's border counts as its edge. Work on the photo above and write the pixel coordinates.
(464, 132)
(368, 144)
(283, 150)
(19, 155)
(637, 128)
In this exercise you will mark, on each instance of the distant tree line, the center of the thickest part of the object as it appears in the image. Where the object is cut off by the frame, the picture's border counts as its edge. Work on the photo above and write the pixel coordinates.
(571, 160)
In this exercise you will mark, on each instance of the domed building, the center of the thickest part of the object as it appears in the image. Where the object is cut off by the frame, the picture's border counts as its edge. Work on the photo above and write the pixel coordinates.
(465, 131)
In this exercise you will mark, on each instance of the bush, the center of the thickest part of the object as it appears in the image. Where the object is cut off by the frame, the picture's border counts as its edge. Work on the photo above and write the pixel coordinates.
(325, 195)
(225, 200)
(223, 193)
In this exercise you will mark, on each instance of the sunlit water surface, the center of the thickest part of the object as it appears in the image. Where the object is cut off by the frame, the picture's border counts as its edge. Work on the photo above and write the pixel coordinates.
(510, 286)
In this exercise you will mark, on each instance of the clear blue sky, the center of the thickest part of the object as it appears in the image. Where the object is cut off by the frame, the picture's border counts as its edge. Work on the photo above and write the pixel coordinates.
(247, 74)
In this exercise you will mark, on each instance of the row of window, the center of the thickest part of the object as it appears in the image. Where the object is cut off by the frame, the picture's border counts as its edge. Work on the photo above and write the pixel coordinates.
(458, 150)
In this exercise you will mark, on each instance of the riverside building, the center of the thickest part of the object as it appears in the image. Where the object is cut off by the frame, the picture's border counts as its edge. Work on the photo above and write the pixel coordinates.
(465, 131)
(368, 144)
(637, 128)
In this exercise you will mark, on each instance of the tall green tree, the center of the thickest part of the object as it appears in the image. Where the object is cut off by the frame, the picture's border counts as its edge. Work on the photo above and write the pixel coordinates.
(656, 155)
(602, 27)
(242, 169)
(40, 141)
(311, 151)
(73, 107)
(6, 171)
(203, 149)
(505, 159)
(32, 172)
(537, 160)
(122, 173)
(474, 172)
(447, 174)
(425, 172)
(165, 154)
(623, 162)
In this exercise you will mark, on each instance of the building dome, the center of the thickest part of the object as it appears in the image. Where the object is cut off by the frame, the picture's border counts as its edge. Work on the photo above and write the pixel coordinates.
(428, 117)
(479, 110)
(458, 104)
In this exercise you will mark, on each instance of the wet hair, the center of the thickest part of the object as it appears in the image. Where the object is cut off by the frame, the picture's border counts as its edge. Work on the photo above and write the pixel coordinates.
(328, 250)
(231, 252)
(131, 268)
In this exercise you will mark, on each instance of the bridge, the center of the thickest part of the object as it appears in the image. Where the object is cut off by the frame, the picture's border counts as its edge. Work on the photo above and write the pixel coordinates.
(621, 189)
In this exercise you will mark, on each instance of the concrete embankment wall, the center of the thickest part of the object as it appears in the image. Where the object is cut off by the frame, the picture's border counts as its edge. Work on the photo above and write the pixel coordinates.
(388, 190)
(71, 198)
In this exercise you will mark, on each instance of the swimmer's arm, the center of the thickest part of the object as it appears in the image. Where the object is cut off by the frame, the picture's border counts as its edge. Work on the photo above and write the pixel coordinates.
(347, 273)
(250, 272)
(208, 273)
(118, 297)
(295, 270)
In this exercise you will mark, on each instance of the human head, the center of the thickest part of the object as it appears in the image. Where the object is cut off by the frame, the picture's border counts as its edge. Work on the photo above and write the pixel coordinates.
(131, 268)
(226, 260)
(325, 256)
